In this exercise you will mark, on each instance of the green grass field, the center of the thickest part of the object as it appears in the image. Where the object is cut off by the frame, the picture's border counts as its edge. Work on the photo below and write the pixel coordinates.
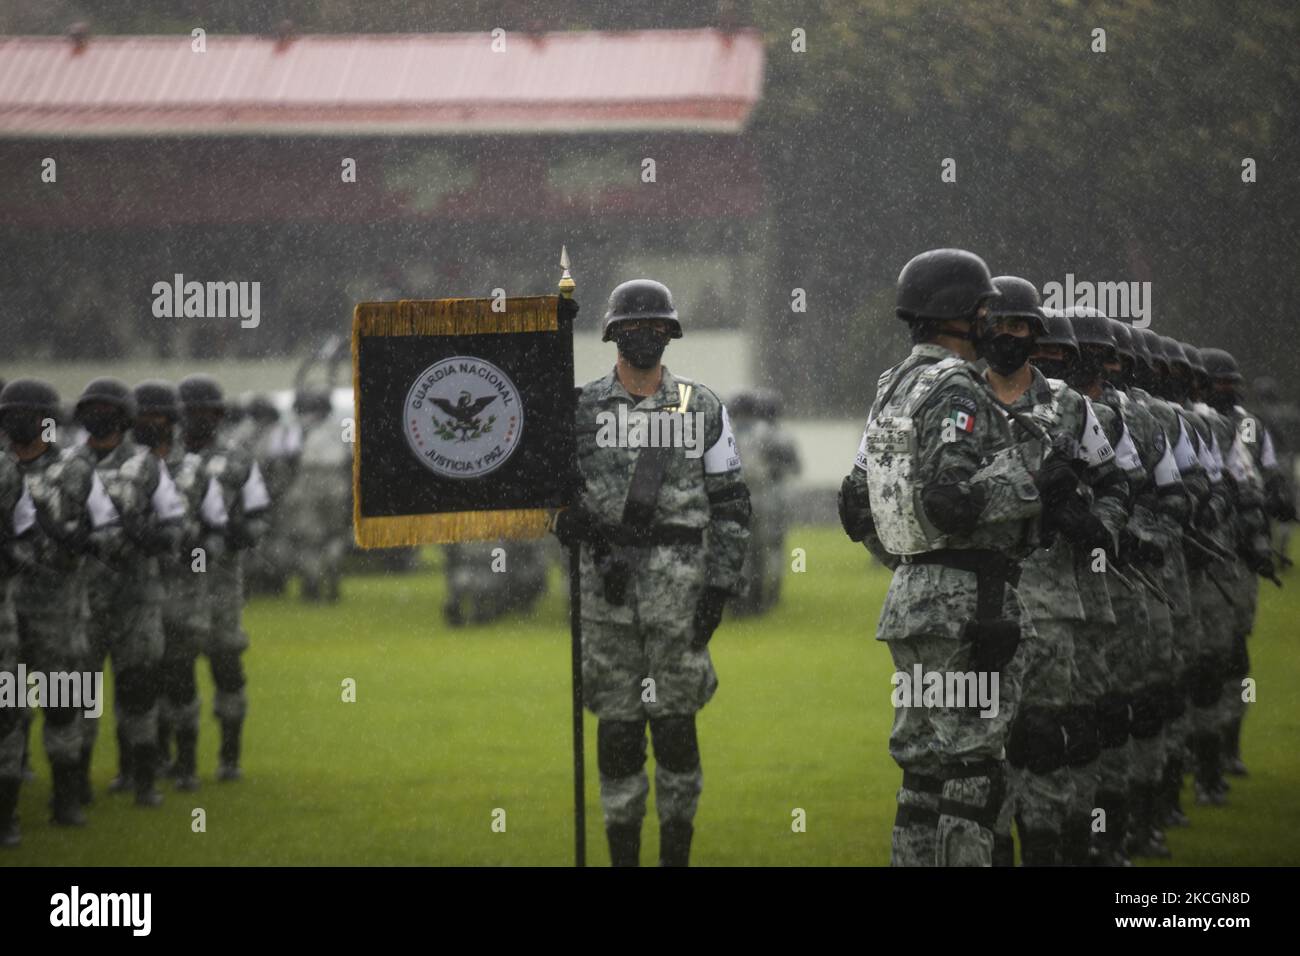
(450, 725)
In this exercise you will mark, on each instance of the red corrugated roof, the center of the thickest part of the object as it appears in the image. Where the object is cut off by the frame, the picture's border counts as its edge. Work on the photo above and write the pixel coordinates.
(414, 84)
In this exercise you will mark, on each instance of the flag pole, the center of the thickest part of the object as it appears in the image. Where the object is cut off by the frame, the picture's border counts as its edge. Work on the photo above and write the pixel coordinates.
(567, 287)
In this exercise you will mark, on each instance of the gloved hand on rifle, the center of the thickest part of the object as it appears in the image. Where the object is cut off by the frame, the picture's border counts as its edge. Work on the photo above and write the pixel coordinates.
(855, 512)
(575, 524)
(1133, 548)
(1078, 525)
(1057, 481)
(708, 615)
(1260, 562)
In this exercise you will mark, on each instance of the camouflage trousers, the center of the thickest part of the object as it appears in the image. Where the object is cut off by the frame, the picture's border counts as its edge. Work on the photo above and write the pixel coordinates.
(130, 632)
(226, 640)
(954, 774)
(52, 640)
(13, 727)
(179, 702)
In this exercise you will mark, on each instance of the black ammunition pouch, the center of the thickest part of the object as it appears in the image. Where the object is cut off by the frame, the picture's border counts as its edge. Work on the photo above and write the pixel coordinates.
(615, 554)
(1113, 719)
(1148, 712)
(1036, 742)
(992, 638)
(1082, 745)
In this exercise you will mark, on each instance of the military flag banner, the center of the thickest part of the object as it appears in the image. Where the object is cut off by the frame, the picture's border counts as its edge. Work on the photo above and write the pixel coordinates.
(464, 413)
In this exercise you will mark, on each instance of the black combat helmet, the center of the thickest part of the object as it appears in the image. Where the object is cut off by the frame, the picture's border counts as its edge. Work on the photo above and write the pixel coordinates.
(770, 404)
(1017, 298)
(744, 404)
(30, 395)
(1138, 342)
(1091, 327)
(1155, 349)
(198, 392)
(943, 284)
(107, 391)
(1194, 361)
(1058, 331)
(261, 409)
(313, 401)
(1221, 366)
(1123, 339)
(641, 299)
(156, 397)
(1174, 354)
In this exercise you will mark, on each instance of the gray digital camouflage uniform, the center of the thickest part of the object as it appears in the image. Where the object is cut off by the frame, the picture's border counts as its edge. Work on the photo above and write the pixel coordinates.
(50, 593)
(16, 519)
(951, 756)
(1051, 731)
(648, 638)
(316, 512)
(125, 592)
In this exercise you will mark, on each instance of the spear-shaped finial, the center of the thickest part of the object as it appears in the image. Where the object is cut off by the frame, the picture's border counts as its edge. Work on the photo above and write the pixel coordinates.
(567, 285)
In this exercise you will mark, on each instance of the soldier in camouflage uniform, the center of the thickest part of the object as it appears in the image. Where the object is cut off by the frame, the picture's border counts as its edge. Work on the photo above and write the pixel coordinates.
(50, 592)
(488, 579)
(663, 532)
(1049, 732)
(17, 518)
(125, 592)
(318, 515)
(276, 447)
(1145, 542)
(1262, 494)
(232, 514)
(772, 462)
(941, 492)
(186, 616)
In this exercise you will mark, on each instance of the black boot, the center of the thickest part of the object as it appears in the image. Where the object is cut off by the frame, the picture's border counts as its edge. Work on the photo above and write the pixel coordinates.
(166, 765)
(1110, 842)
(675, 843)
(1145, 838)
(85, 793)
(624, 844)
(10, 836)
(1210, 787)
(144, 758)
(1004, 849)
(66, 802)
(1170, 802)
(1232, 762)
(124, 782)
(187, 745)
(228, 764)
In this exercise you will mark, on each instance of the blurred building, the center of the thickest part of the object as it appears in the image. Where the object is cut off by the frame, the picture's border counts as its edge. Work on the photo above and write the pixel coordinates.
(472, 166)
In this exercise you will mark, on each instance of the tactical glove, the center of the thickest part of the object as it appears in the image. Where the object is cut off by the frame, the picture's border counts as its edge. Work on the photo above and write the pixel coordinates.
(1132, 547)
(1080, 526)
(708, 614)
(1260, 562)
(1057, 480)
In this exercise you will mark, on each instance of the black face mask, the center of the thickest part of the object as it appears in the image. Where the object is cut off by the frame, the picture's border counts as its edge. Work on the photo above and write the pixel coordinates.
(23, 428)
(100, 423)
(1054, 368)
(1006, 353)
(1087, 369)
(152, 434)
(198, 431)
(642, 347)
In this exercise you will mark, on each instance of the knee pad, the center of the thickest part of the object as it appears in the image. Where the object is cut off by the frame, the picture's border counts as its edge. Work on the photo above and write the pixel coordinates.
(676, 746)
(1082, 745)
(227, 671)
(137, 690)
(985, 816)
(179, 682)
(1036, 742)
(1113, 719)
(620, 747)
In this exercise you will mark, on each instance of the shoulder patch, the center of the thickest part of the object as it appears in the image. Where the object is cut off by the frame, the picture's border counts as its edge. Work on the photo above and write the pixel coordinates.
(961, 412)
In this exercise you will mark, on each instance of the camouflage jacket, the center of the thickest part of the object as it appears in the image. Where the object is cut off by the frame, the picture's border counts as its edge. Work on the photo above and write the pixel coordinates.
(967, 455)
(1048, 583)
(703, 488)
(71, 505)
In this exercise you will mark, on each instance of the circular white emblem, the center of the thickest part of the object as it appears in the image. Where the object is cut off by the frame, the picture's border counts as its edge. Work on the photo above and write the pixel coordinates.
(463, 417)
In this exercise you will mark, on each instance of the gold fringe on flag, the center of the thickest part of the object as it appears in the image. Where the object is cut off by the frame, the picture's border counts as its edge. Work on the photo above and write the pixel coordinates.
(443, 317)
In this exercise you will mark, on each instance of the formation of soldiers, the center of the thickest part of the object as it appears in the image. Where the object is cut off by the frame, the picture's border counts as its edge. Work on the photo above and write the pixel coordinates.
(124, 545)
(1085, 516)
